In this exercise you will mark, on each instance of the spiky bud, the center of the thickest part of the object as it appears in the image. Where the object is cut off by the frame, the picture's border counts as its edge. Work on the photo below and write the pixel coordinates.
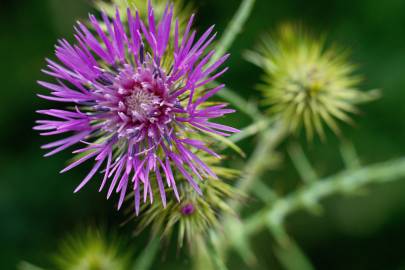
(307, 83)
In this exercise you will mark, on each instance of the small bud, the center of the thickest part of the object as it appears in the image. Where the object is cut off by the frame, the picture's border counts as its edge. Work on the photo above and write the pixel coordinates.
(188, 209)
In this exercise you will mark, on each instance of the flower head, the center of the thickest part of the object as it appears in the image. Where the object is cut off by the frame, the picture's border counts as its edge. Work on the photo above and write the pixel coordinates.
(89, 250)
(307, 83)
(137, 93)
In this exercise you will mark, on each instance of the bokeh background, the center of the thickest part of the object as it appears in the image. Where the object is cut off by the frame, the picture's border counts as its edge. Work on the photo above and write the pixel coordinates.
(366, 231)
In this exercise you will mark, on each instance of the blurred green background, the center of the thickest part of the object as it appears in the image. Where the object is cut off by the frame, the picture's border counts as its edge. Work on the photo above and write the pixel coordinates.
(37, 206)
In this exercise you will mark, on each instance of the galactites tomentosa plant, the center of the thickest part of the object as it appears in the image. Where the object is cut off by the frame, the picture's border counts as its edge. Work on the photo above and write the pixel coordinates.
(136, 94)
(307, 83)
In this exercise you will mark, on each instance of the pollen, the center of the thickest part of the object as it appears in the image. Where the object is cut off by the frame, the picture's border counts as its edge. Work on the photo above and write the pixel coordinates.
(141, 103)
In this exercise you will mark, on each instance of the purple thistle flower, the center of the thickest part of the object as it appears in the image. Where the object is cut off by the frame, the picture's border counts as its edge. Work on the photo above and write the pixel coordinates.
(137, 92)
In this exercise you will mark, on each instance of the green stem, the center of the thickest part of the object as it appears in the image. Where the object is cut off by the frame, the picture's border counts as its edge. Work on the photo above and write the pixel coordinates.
(312, 194)
(288, 252)
(269, 140)
(263, 192)
(234, 28)
(249, 131)
(239, 102)
(147, 257)
(302, 164)
(349, 155)
(230, 34)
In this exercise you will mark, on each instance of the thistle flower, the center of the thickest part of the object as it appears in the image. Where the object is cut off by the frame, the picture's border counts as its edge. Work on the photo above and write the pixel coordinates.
(195, 215)
(90, 250)
(134, 102)
(305, 82)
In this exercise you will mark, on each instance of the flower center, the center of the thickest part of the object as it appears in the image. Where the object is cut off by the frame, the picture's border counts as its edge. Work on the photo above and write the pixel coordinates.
(141, 104)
